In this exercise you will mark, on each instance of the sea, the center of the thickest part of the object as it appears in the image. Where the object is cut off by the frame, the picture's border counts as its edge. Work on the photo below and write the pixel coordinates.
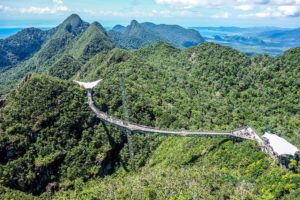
(6, 32)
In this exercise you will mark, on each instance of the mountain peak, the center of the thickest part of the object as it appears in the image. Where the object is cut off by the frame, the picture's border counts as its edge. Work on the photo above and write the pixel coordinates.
(134, 23)
(73, 18)
(73, 24)
(134, 28)
(98, 25)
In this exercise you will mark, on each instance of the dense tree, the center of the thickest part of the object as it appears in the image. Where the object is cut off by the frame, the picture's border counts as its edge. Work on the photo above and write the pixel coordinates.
(52, 145)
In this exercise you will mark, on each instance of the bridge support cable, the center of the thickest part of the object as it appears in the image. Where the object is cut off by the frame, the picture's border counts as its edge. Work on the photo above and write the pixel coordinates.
(126, 118)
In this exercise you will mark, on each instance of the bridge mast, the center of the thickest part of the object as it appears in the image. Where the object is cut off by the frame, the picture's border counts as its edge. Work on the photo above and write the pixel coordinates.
(126, 118)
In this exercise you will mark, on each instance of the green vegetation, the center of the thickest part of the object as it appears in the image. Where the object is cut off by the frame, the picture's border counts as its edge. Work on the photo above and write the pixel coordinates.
(53, 147)
(208, 87)
(93, 41)
(197, 168)
(21, 46)
(51, 141)
(49, 135)
(65, 68)
(74, 40)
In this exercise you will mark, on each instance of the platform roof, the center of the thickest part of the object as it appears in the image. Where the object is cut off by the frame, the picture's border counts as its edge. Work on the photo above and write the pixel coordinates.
(88, 85)
(280, 145)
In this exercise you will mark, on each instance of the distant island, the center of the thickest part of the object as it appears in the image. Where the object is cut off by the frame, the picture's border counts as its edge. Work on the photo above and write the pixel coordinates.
(253, 40)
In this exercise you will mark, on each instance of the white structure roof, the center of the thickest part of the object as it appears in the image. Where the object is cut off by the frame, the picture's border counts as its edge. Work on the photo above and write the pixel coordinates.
(280, 145)
(88, 85)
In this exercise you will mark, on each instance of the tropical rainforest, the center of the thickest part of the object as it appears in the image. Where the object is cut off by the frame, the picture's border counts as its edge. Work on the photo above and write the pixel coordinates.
(53, 147)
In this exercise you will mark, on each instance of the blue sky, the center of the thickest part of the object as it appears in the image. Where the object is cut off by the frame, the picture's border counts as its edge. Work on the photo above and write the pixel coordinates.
(244, 13)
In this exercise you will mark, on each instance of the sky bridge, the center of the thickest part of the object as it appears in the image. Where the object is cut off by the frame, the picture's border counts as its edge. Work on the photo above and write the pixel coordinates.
(269, 143)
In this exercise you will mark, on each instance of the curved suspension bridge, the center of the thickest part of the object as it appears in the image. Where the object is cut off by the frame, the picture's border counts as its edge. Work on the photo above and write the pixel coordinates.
(247, 133)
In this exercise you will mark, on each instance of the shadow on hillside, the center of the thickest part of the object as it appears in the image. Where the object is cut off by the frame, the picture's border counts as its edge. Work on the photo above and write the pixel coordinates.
(108, 166)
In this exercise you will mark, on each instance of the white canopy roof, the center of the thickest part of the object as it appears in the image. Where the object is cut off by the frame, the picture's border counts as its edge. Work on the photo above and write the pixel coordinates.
(280, 145)
(88, 85)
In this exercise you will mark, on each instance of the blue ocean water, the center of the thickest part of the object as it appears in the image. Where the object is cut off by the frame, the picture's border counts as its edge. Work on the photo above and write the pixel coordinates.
(209, 33)
(6, 32)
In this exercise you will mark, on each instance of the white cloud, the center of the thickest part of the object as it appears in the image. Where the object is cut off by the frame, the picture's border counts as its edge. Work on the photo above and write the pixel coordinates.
(144, 13)
(289, 11)
(35, 10)
(256, 1)
(221, 16)
(246, 7)
(57, 6)
(191, 3)
(232, 3)
(4, 8)
(263, 8)
(58, 2)
(269, 2)
(280, 11)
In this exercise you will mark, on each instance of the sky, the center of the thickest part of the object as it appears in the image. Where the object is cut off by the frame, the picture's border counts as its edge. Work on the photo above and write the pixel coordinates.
(188, 13)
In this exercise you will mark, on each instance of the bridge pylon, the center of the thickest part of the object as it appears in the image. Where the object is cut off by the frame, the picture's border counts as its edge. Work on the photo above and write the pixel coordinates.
(126, 118)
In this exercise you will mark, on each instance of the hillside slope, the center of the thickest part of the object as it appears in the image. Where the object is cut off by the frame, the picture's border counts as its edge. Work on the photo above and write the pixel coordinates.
(49, 137)
(53, 147)
(73, 39)
(208, 87)
(21, 46)
(51, 142)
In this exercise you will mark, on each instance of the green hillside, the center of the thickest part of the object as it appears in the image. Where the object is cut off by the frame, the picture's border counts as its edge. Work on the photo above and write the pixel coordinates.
(21, 46)
(53, 146)
(74, 39)
(93, 40)
(46, 127)
(208, 87)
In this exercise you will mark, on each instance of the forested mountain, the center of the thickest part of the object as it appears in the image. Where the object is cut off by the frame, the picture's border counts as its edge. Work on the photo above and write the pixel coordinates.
(77, 41)
(74, 40)
(50, 140)
(178, 36)
(133, 36)
(20, 46)
(53, 147)
(138, 35)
